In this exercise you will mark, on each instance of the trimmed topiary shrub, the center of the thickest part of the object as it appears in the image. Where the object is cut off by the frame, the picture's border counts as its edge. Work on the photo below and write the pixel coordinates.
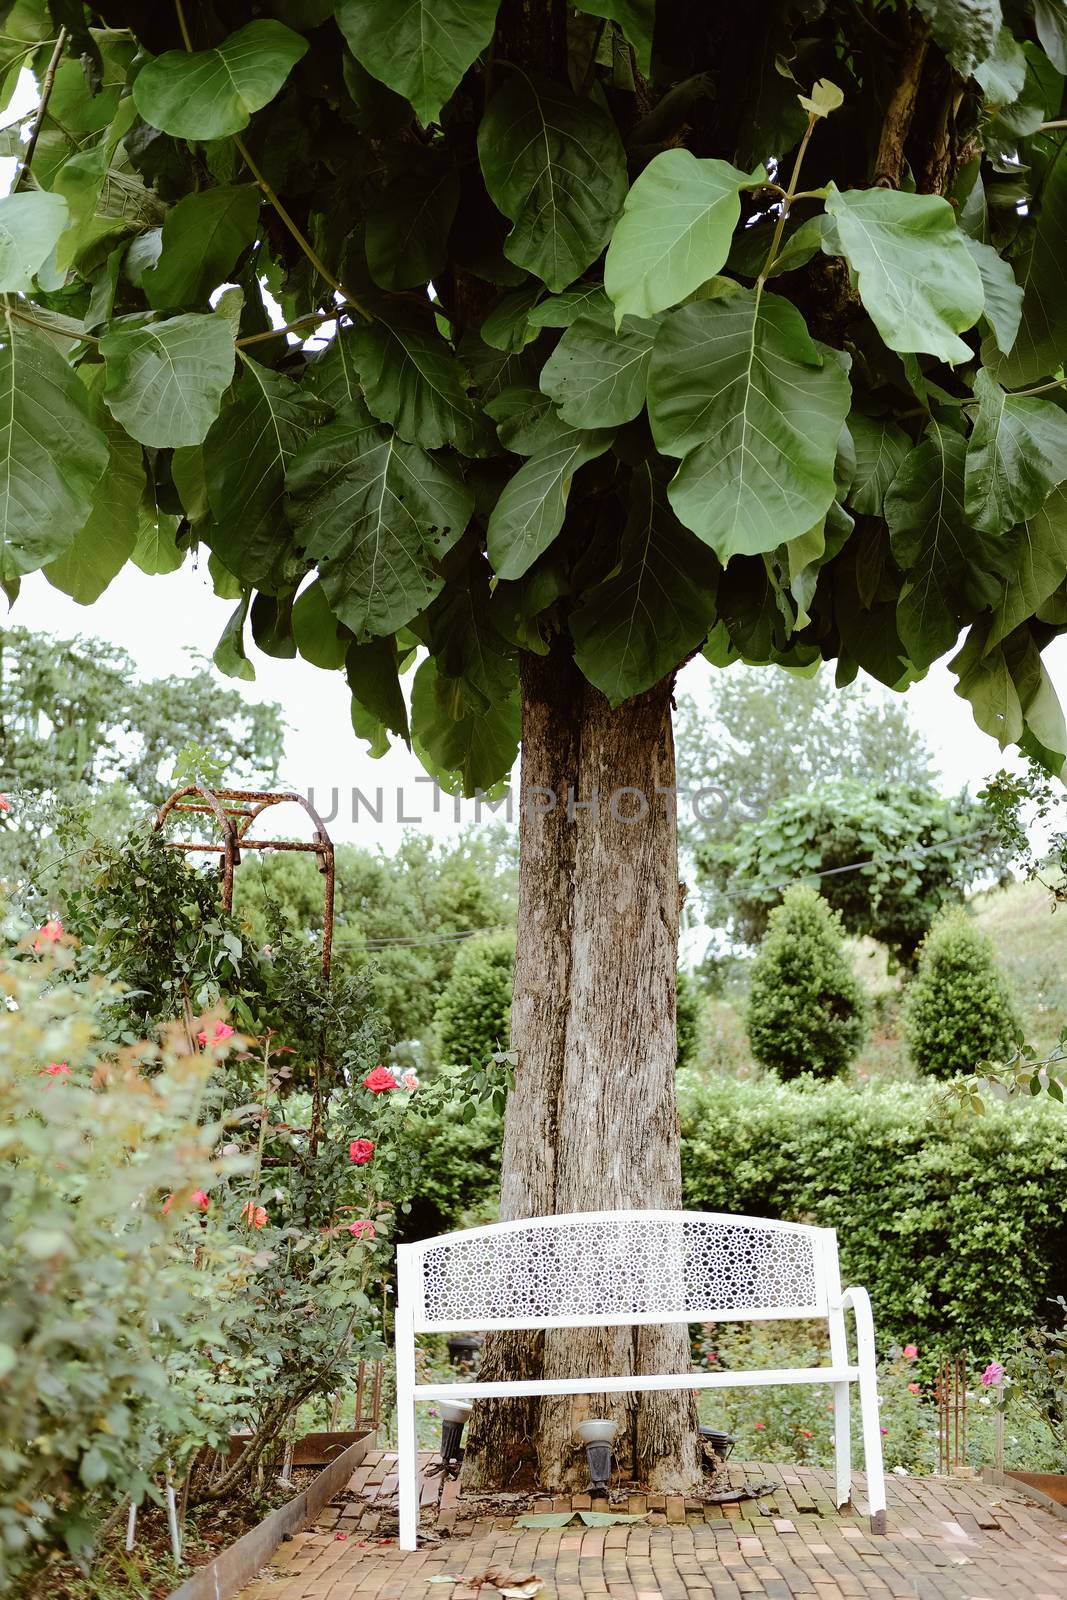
(958, 1009)
(473, 1015)
(805, 1005)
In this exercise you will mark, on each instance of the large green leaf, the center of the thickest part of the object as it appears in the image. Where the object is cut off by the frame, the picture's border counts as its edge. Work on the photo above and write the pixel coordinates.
(1003, 295)
(420, 48)
(1050, 20)
(165, 380)
(202, 237)
(407, 229)
(317, 631)
(101, 548)
(880, 448)
(985, 680)
(916, 277)
(374, 511)
(374, 679)
(740, 390)
(30, 226)
(530, 511)
(465, 642)
(656, 608)
(229, 654)
(208, 94)
(966, 30)
(598, 377)
(1039, 566)
(554, 165)
(636, 18)
(52, 453)
(478, 748)
(674, 233)
(1003, 73)
(949, 568)
(411, 378)
(1016, 455)
(246, 455)
(1040, 347)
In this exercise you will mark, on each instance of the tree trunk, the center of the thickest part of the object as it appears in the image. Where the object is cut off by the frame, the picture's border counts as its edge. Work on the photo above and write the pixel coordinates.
(591, 1123)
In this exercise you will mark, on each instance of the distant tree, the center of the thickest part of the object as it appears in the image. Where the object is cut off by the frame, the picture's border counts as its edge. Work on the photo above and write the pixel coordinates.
(805, 1007)
(759, 734)
(473, 1014)
(891, 858)
(82, 739)
(959, 1010)
(405, 912)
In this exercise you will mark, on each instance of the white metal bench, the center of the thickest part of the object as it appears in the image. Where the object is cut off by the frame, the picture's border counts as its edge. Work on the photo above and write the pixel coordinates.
(606, 1268)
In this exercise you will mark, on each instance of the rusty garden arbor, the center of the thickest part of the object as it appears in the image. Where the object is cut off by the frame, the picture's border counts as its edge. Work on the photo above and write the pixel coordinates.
(234, 811)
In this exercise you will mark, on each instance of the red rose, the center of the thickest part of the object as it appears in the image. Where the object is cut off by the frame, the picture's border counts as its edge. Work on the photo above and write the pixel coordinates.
(379, 1081)
(360, 1151)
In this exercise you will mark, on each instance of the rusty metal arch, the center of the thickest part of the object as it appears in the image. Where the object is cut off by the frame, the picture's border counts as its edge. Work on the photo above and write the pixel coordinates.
(234, 811)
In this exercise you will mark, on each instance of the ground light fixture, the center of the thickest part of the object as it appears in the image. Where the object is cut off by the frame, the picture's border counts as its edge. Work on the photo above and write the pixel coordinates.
(596, 1433)
(454, 1414)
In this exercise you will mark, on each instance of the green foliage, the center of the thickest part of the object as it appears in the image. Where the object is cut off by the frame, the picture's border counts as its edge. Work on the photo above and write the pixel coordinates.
(105, 1300)
(396, 913)
(957, 1229)
(915, 851)
(85, 747)
(553, 223)
(805, 1005)
(958, 1010)
(472, 1019)
(689, 1009)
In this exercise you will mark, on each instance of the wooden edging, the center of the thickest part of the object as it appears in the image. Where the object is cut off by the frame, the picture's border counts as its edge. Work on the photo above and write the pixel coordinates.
(1021, 1481)
(238, 1563)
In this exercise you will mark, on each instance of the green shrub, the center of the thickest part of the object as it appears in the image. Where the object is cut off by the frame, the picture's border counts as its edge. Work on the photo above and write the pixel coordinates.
(959, 1230)
(959, 1010)
(689, 1010)
(805, 1005)
(473, 1015)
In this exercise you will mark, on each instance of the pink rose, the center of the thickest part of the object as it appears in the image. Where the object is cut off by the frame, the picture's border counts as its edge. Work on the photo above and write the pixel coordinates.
(56, 1069)
(255, 1216)
(362, 1229)
(759, 1426)
(49, 932)
(5, 803)
(380, 1081)
(222, 1031)
(804, 1434)
(199, 1200)
(993, 1375)
(409, 1080)
(168, 1202)
(910, 1352)
(360, 1151)
(913, 1388)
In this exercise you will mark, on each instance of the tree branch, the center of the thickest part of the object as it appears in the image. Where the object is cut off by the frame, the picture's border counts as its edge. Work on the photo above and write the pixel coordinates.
(38, 121)
(889, 161)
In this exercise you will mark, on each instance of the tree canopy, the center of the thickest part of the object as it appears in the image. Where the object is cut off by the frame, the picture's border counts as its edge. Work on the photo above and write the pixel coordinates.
(654, 328)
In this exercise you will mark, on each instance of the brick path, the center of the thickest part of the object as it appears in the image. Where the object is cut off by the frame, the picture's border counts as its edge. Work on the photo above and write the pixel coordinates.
(949, 1539)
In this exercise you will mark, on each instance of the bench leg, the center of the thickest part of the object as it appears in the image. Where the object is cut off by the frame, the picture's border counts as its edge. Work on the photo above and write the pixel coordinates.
(872, 1428)
(407, 1473)
(843, 1443)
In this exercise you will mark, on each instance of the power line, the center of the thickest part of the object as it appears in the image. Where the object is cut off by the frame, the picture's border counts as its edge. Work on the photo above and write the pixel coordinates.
(402, 940)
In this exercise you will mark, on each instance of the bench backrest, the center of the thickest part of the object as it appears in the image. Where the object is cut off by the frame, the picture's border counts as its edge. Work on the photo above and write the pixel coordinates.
(599, 1268)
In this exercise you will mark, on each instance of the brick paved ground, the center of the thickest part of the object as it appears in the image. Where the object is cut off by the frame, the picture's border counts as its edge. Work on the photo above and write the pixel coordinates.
(949, 1539)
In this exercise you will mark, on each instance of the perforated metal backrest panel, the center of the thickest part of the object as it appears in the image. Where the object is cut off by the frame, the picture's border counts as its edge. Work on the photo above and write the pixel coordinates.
(617, 1267)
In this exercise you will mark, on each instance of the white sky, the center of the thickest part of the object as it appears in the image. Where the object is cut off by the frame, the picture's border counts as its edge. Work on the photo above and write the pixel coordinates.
(158, 619)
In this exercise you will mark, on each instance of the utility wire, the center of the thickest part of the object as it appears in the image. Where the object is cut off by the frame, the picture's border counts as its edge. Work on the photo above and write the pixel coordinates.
(754, 889)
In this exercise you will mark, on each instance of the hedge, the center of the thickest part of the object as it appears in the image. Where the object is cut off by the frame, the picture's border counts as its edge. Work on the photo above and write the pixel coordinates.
(958, 1230)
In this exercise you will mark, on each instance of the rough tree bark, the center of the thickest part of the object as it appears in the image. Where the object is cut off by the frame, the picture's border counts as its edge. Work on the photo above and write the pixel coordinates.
(591, 1123)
